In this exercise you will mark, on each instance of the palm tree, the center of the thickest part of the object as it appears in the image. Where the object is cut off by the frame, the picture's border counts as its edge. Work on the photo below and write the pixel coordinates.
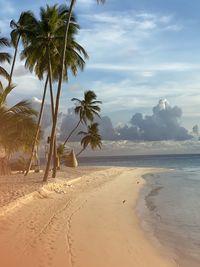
(42, 52)
(86, 109)
(35, 140)
(20, 30)
(17, 128)
(60, 153)
(4, 57)
(59, 89)
(91, 137)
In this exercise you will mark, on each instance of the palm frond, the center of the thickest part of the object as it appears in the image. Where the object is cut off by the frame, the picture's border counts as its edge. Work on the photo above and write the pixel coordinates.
(4, 73)
(4, 93)
(5, 57)
(4, 42)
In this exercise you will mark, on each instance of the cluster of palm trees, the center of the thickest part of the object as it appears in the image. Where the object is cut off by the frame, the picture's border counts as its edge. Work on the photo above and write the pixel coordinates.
(88, 110)
(50, 50)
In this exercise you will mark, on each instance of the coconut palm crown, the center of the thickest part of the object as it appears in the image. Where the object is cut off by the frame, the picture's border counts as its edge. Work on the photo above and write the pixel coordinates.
(91, 137)
(47, 40)
(87, 109)
(4, 57)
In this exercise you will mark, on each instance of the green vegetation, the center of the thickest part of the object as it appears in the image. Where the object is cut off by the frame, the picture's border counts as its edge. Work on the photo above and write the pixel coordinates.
(50, 50)
(91, 137)
(17, 128)
(86, 109)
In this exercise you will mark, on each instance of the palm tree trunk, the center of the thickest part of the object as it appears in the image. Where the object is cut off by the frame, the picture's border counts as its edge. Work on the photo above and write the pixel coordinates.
(52, 110)
(38, 127)
(50, 83)
(55, 158)
(72, 132)
(80, 152)
(46, 174)
(4, 166)
(14, 60)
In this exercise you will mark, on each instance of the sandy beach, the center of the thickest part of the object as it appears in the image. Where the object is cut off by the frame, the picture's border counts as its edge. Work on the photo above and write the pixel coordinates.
(87, 220)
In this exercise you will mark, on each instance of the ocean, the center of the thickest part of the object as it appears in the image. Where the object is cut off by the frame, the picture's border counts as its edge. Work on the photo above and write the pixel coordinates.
(169, 203)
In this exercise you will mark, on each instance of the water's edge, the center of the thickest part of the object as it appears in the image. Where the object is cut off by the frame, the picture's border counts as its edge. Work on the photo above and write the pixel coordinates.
(163, 224)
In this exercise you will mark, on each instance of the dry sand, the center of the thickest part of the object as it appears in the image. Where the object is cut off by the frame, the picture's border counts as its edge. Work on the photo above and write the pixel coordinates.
(85, 222)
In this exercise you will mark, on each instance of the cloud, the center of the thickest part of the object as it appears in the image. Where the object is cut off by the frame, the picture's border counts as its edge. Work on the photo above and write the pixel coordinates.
(7, 8)
(70, 120)
(165, 67)
(117, 36)
(163, 124)
(125, 147)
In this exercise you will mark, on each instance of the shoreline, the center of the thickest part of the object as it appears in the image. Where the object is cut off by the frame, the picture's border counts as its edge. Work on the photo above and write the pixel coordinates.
(169, 217)
(92, 222)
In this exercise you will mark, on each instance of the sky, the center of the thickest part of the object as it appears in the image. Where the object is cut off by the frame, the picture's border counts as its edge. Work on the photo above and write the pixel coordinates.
(140, 51)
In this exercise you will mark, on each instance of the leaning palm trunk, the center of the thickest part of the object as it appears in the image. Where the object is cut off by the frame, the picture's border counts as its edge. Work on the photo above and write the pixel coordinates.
(72, 132)
(81, 151)
(38, 128)
(52, 110)
(4, 166)
(58, 92)
(14, 60)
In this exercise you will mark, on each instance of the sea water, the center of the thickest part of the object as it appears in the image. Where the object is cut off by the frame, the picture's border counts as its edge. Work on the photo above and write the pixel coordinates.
(169, 205)
(171, 210)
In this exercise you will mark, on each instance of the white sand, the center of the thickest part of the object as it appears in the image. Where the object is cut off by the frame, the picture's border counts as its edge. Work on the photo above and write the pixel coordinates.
(89, 222)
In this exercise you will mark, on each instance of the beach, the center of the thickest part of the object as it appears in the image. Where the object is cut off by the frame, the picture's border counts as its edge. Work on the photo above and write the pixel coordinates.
(88, 220)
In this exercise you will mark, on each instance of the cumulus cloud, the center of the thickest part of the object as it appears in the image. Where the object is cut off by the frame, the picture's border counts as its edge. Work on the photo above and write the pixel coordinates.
(128, 147)
(46, 118)
(163, 124)
(70, 120)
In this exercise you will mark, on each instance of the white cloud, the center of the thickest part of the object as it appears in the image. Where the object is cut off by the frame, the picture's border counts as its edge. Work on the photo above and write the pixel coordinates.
(176, 66)
(143, 148)
(118, 40)
(7, 7)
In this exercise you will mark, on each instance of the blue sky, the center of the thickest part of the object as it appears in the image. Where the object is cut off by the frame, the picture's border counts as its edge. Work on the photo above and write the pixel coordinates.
(140, 51)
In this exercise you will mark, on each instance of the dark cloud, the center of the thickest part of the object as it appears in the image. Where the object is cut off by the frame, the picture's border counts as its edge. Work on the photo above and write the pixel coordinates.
(106, 128)
(68, 123)
(47, 113)
(163, 124)
(70, 120)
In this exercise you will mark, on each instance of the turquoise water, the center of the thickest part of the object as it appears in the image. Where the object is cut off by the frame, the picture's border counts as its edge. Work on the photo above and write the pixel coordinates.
(166, 161)
(169, 205)
(171, 209)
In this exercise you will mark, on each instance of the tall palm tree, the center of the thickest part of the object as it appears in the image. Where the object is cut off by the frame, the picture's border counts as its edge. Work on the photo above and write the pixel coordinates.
(87, 109)
(17, 128)
(4, 57)
(59, 89)
(35, 140)
(20, 30)
(42, 54)
(91, 137)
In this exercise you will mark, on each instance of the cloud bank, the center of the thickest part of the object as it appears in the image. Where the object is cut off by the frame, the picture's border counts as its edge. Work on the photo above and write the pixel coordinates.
(163, 124)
